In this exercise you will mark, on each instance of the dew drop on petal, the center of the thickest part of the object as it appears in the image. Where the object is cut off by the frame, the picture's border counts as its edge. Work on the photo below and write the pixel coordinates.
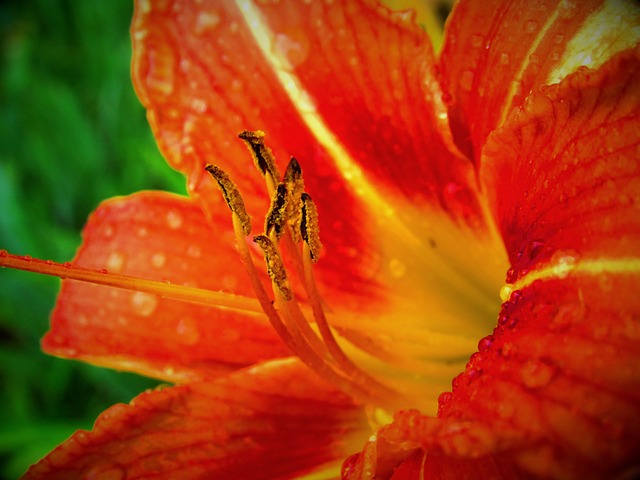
(161, 69)
(568, 315)
(104, 471)
(174, 219)
(144, 304)
(505, 292)
(187, 331)
(158, 260)
(466, 80)
(206, 21)
(115, 261)
(291, 48)
(476, 40)
(194, 251)
(142, 232)
(536, 374)
(531, 26)
(397, 268)
(485, 343)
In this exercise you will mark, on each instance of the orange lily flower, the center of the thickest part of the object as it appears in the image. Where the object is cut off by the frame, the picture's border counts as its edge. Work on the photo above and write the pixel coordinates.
(514, 152)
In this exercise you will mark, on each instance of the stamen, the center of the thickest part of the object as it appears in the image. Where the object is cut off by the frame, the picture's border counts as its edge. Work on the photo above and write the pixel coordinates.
(261, 154)
(295, 183)
(309, 227)
(231, 196)
(162, 289)
(291, 206)
(275, 267)
(276, 218)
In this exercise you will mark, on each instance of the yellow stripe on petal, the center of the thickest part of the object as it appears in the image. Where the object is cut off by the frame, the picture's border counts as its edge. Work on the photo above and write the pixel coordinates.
(609, 30)
(564, 265)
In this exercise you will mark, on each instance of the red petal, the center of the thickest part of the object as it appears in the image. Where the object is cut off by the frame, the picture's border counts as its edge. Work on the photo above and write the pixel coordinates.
(495, 53)
(158, 236)
(365, 75)
(556, 393)
(564, 172)
(272, 421)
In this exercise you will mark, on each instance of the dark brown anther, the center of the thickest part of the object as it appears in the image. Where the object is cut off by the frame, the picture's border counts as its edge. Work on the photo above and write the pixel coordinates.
(231, 196)
(309, 229)
(275, 266)
(295, 182)
(262, 156)
(276, 218)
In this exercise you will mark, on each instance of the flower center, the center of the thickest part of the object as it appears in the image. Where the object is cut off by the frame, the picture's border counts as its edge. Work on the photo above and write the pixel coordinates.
(291, 231)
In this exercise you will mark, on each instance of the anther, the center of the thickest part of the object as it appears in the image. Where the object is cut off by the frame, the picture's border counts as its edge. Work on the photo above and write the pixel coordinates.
(309, 229)
(231, 196)
(275, 266)
(262, 156)
(295, 183)
(276, 218)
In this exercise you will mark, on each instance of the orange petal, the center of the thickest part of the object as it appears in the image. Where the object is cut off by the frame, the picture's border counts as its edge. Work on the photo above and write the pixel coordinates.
(347, 88)
(159, 236)
(555, 391)
(272, 421)
(564, 174)
(497, 52)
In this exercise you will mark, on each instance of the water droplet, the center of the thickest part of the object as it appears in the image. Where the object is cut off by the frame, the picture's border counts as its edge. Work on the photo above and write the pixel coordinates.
(3, 253)
(199, 105)
(466, 80)
(505, 292)
(206, 21)
(444, 399)
(535, 248)
(142, 232)
(103, 271)
(144, 304)
(476, 40)
(558, 39)
(531, 26)
(562, 262)
(67, 265)
(504, 58)
(536, 374)
(161, 63)
(485, 343)
(292, 48)
(194, 251)
(567, 315)
(397, 268)
(108, 231)
(115, 261)
(158, 260)
(187, 331)
(174, 219)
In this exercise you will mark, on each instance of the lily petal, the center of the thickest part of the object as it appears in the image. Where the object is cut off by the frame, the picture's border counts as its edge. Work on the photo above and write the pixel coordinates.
(159, 236)
(555, 390)
(344, 86)
(275, 420)
(572, 151)
(496, 53)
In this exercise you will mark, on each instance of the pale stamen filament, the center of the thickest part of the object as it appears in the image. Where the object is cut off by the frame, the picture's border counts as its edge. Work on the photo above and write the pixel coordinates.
(182, 293)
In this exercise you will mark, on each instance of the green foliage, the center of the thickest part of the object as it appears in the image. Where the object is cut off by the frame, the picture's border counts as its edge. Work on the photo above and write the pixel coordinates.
(72, 134)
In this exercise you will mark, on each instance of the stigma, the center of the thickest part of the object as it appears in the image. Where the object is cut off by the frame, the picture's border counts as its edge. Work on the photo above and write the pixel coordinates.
(290, 244)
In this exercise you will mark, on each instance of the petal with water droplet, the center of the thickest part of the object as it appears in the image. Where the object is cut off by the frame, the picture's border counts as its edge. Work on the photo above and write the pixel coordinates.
(140, 331)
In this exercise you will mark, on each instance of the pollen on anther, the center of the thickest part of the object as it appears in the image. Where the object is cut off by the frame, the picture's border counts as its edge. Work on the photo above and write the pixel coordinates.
(262, 156)
(276, 218)
(295, 183)
(309, 226)
(231, 196)
(275, 266)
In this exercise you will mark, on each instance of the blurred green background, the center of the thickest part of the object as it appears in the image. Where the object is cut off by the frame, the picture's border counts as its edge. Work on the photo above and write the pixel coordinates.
(72, 133)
